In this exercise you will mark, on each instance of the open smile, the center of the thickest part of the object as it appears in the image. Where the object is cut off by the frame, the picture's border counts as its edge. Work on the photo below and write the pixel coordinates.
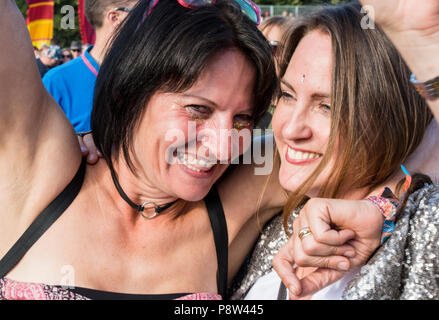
(195, 167)
(296, 156)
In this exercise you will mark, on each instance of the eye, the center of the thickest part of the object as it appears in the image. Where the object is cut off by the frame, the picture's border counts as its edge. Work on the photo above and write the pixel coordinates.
(243, 121)
(286, 96)
(326, 108)
(198, 111)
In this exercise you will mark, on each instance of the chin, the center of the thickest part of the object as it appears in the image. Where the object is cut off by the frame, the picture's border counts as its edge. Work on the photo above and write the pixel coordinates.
(192, 195)
(290, 181)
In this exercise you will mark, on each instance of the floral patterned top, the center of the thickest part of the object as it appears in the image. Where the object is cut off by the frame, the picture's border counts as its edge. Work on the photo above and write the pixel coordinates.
(16, 290)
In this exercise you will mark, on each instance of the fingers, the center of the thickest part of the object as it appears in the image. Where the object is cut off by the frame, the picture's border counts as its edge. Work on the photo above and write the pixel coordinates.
(308, 252)
(312, 248)
(93, 153)
(318, 215)
(318, 280)
(284, 265)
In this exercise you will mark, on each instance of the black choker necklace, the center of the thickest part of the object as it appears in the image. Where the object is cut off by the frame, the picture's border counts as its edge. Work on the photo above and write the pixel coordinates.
(140, 208)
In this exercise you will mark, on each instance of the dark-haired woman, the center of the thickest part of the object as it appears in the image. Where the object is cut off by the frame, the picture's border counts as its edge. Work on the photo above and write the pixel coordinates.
(347, 118)
(142, 224)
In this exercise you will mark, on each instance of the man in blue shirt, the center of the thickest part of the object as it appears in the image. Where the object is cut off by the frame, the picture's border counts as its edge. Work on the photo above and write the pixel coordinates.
(72, 84)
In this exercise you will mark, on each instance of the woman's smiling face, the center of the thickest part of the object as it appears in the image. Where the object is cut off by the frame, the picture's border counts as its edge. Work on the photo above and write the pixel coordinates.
(302, 119)
(179, 146)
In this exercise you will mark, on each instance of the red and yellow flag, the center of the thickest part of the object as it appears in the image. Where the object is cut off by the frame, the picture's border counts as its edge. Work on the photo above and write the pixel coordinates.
(40, 21)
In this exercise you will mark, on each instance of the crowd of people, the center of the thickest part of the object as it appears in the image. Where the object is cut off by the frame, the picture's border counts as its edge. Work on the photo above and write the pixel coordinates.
(50, 56)
(348, 211)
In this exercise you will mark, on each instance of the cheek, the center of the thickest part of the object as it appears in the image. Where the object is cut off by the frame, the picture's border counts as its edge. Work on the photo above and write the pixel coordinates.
(280, 118)
(322, 129)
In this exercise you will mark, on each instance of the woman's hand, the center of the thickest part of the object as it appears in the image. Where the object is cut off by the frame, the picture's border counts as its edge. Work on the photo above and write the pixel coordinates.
(405, 16)
(345, 233)
(413, 27)
(88, 148)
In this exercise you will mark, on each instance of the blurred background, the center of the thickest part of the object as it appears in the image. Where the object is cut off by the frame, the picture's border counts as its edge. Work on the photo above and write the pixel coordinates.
(64, 36)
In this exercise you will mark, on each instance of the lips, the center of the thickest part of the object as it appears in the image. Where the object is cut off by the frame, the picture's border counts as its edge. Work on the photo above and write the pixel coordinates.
(295, 156)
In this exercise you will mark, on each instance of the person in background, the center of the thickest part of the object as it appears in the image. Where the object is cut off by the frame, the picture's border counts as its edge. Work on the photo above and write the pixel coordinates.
(72, 84)
(48, 59)
(273, 29)
(76, 49)
(67, 55)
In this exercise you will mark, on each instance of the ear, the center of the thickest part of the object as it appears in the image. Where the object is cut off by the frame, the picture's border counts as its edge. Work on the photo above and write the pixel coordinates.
(114, 18)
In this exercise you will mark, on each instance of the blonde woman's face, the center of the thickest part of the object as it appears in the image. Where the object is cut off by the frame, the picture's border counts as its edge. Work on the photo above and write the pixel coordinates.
(301, 122)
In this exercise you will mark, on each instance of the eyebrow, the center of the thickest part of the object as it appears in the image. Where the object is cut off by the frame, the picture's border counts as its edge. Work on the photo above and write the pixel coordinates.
(317, 95)
(250, 110)
(201, 98)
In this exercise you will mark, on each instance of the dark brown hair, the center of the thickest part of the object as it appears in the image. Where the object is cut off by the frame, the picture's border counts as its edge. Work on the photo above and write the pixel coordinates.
(375, 112)
(168, 51)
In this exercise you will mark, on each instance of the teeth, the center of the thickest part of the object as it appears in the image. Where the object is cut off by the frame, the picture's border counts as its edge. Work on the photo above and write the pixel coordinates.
(299, 155)
(190, 162)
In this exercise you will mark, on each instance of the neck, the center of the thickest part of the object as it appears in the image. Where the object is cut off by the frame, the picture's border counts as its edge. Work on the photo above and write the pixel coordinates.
(136, 188)
(99, 48)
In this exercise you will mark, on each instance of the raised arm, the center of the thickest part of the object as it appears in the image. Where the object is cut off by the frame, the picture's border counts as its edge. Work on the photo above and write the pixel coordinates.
(38, 151)
(413, 27)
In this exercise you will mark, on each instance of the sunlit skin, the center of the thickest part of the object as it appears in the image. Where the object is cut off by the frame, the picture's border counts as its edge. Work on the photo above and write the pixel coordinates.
(301, 122)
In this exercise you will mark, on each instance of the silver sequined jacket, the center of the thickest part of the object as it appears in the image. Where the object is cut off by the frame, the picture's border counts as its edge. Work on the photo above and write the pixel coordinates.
(405, 267)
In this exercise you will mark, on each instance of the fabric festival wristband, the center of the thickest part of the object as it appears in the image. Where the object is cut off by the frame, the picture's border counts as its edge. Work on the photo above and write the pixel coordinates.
(388, 204)
(388, 209)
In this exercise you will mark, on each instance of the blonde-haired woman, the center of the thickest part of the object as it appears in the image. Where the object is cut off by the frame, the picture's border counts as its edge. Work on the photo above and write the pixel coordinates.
(347, 118)
(409, 269)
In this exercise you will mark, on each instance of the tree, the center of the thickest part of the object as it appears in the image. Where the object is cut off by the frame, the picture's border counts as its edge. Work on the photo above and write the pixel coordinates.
(62, 35)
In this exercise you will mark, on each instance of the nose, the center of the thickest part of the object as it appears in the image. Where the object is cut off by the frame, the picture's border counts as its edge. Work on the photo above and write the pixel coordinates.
(220, 140)
(297, 127)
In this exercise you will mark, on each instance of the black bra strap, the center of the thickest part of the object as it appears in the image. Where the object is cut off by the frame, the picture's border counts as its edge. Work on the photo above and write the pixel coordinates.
(219, 228)
(46, 218)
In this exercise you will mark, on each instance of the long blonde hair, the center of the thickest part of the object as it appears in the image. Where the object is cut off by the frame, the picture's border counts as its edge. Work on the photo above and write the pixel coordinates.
(375, 111)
